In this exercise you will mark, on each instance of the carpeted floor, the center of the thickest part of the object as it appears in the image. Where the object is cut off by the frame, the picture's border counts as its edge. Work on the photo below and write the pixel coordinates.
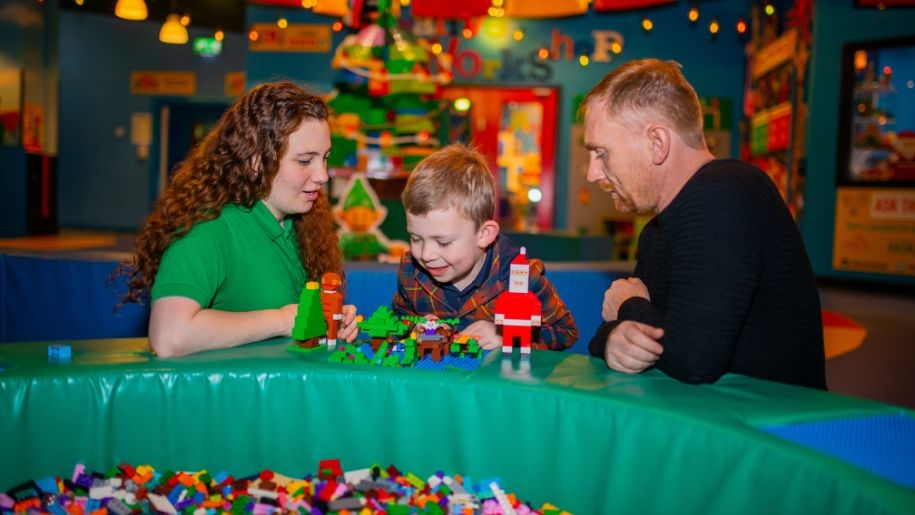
(883, 367)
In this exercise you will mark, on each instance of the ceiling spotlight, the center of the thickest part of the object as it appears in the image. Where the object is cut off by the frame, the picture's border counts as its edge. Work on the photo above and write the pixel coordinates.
(131, 9)
(172, 32)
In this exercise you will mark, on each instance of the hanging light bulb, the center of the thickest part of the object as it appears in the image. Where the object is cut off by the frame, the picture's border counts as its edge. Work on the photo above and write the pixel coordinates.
(860, 60)
(131, 9)
(172, 31)
(714, 26)
(693, 14)
(741, 26)
(462, 105)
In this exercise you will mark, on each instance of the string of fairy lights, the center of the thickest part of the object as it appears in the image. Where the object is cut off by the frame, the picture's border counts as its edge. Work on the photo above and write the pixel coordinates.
(497, 11)
(384, 135)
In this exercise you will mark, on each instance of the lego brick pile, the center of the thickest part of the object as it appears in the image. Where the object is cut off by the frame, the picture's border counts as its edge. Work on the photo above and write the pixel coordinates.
(125, 490)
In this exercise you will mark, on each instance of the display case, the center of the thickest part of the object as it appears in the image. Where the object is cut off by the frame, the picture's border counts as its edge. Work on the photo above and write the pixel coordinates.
(877, 113)
(875, 175)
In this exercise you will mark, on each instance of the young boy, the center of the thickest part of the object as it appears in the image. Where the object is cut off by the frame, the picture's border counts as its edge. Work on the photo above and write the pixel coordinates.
(458, 263)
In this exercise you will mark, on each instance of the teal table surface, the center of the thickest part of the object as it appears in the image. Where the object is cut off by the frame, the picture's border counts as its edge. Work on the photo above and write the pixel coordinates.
(559, 427)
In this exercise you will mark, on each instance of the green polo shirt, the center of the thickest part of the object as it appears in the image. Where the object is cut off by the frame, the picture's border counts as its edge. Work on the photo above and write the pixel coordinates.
(243, 260)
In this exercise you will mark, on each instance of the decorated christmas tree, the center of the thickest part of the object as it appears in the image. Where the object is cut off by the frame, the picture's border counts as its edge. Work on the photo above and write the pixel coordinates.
(387, 101)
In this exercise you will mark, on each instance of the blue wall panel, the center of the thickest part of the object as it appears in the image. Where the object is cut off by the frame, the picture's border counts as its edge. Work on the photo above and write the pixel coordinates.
(102, 182)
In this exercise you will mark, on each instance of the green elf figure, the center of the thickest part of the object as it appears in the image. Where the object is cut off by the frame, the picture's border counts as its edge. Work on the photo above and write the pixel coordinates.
(359, 214)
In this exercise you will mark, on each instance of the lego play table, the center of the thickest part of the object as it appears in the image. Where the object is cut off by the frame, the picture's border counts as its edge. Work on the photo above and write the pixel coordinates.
(560, 428)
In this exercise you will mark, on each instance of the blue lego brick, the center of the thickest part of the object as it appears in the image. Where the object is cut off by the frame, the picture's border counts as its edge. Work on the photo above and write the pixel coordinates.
(176, 492)
(47, 485)
(449, 362)
(59, 353)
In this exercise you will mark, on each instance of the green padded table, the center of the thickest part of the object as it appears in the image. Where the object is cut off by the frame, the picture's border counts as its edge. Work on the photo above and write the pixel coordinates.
(561, 428)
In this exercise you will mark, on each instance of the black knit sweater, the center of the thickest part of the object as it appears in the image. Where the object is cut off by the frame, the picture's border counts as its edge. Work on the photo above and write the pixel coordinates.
(730, 283)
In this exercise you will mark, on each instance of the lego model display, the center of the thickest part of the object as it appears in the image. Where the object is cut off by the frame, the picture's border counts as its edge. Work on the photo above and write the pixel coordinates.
(124, 490)
(394, 341)
(412, 341)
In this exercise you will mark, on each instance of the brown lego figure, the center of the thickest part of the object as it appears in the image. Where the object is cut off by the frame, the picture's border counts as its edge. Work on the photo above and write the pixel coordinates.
(331, 306)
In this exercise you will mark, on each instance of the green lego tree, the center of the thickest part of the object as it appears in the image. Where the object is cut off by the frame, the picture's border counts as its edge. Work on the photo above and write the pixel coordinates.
(381, 325)
(309, 324)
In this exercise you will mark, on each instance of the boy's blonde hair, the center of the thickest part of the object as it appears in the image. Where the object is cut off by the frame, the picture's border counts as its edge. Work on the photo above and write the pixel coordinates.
(455, 176)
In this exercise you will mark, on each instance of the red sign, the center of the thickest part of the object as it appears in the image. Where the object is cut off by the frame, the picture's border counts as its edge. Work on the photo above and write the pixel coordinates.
(622, 5)
(458, 10)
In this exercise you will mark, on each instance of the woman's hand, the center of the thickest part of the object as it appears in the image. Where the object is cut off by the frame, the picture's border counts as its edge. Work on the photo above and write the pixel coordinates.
(349, 328)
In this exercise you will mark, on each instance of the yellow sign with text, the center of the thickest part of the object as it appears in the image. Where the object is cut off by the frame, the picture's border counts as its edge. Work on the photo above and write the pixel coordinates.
(875, 231)
(163, 83)
(296, 37)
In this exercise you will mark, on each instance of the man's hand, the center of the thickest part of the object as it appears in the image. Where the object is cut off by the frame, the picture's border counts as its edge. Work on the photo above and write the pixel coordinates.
(620, 291)
(632, 347)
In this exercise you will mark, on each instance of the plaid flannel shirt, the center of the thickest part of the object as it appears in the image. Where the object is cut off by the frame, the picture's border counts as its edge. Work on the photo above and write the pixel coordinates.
(419, 295)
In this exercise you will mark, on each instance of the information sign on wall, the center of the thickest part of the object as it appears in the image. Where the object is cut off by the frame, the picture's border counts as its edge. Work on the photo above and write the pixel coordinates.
(235, 84)
(163, 83)
(296, 37)
(875, 231)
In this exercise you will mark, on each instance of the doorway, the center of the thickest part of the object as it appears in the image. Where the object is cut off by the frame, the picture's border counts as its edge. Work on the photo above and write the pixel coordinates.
(515, 129)
(183, 126)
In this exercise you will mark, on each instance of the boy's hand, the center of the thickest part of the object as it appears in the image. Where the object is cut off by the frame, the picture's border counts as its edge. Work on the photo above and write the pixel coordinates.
(485, 334)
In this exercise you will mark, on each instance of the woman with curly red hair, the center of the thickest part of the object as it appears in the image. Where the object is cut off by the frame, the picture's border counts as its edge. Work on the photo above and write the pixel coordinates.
(243, 224)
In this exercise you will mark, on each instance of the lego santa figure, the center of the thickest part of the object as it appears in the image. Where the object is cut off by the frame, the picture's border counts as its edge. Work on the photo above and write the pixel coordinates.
(518, 310)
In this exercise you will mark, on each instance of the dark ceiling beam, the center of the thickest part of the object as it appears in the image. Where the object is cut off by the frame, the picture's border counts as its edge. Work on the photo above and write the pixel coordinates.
(228, 15)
